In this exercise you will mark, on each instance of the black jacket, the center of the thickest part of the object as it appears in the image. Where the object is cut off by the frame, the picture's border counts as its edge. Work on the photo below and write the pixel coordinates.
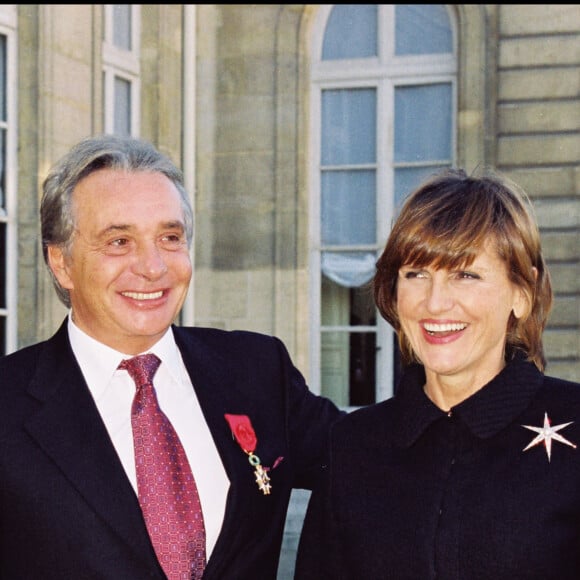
(412, 493)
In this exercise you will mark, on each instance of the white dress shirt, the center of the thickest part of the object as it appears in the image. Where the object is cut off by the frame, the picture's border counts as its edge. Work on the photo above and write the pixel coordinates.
(113, 391)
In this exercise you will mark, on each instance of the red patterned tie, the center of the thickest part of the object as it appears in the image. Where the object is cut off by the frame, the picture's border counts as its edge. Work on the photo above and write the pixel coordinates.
(166, 487)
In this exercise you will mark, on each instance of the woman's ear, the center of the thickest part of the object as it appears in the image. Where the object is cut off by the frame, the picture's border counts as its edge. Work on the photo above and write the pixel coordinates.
(57, 263)
(521, 304)
(523, 301)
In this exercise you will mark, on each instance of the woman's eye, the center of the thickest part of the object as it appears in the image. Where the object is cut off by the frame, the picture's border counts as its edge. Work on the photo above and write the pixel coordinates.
(468, 275)
(411, 274)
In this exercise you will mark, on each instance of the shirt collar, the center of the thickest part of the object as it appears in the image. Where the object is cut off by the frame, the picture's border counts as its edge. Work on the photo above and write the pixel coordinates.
(485, 413)
(100, 362)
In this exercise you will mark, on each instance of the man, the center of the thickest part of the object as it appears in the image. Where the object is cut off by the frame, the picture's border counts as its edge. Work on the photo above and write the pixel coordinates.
(116, 230)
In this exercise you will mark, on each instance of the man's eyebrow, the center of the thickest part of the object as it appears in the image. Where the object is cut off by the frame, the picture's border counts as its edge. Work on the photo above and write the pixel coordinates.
(120, 228)
(113, 228)
(173, 224)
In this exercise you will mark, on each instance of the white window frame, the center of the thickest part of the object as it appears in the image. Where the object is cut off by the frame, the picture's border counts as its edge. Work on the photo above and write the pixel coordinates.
(8, 28)
(123, 64)
(384, 74)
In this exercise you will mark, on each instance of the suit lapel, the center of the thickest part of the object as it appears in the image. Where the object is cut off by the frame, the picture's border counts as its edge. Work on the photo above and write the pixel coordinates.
(69, 429)
(219, 391)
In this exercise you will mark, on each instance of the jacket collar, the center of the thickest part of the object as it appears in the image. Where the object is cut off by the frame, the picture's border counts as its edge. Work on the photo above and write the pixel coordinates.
(485, 413)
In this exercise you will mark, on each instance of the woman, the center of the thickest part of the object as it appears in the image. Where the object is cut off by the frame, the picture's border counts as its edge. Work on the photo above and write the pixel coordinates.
(471, 470)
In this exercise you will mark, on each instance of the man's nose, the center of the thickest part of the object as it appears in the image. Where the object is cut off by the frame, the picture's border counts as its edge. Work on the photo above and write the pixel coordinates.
(150, 262)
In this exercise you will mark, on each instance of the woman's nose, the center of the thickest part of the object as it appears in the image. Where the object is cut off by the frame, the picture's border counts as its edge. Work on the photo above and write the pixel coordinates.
(440, 296)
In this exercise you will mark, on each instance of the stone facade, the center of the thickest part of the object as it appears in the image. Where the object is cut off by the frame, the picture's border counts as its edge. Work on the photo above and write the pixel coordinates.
(519, 111)
(251, 144)
(537, 142)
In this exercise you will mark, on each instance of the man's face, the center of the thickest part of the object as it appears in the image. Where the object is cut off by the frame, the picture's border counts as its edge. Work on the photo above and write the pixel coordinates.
(129, 266)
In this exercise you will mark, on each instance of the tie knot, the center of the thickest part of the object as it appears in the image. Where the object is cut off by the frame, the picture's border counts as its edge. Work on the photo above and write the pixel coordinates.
(142, 368)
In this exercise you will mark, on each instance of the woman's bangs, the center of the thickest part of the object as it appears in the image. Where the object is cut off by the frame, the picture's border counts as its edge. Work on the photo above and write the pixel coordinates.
(441, 249)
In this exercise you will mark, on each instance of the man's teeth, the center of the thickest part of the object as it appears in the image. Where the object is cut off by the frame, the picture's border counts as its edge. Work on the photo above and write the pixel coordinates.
(448, 327)
(143, 295)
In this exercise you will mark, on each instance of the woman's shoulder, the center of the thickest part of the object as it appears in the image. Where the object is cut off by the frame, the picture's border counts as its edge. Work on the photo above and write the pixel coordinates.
(561, 392)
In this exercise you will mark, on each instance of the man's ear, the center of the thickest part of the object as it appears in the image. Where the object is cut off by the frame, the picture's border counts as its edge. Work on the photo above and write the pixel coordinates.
(58, 265)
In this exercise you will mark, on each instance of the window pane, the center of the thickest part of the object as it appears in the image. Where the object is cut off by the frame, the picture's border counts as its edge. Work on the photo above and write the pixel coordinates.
(422, 29)
(2, 335)
(335, 367)
(2, 171)
(423, 122)
(349, 118)
(363, 348)
(348, 359)
(347, 306)
(2, 78)
(351, 32)
(122, 26)
(3, 267)
(122, 107)
(407, 179)
(348, 368)
(348, 206)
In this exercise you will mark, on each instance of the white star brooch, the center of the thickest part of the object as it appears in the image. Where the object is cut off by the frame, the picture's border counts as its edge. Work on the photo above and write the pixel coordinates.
(547, 433)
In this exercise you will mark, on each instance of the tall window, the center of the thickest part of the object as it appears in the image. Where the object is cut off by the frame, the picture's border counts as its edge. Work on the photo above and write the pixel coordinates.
(8, 240)
(383, 102)
(121, 69)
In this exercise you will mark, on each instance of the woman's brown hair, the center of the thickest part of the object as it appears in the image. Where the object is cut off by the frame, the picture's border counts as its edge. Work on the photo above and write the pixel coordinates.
(444, 224)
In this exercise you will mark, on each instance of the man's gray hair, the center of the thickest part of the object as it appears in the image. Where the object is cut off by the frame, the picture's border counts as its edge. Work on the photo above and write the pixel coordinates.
(101, 152)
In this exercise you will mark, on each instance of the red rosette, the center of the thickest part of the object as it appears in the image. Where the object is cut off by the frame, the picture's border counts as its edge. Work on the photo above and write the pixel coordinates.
(243, 431)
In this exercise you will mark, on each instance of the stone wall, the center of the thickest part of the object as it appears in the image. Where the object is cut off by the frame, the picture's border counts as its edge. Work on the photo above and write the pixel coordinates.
(538, 145)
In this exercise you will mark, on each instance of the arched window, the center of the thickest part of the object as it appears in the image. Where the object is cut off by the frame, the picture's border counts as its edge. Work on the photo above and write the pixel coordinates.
(383, 118)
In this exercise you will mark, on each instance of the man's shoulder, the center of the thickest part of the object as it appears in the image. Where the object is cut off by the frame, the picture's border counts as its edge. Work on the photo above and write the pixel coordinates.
(21, 364)
(231, 347)
(220, 337)
(25, 361)
(20, 356)
(367, 421)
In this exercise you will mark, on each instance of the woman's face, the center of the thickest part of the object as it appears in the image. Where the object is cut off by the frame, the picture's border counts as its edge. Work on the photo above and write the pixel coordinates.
(456, 320)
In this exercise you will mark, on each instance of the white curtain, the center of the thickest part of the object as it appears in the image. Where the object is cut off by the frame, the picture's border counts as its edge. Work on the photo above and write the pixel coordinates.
(348, 269)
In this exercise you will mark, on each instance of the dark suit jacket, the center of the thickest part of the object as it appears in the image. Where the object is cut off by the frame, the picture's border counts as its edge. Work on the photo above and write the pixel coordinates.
(67, 509)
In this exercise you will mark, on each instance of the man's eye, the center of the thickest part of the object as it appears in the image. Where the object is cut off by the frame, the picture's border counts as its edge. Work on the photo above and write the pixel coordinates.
(119, 242)
(173, 239)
